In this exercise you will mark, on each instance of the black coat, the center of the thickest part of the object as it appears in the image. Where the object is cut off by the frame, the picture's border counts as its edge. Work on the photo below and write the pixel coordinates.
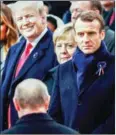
(38, 124)
(90, 110)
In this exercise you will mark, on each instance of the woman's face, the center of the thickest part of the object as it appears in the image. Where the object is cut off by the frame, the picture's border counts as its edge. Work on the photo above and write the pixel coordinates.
(3, 30)
(64, 49)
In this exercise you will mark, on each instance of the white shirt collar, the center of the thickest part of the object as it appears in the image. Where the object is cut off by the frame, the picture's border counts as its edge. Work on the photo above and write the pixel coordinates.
(34, 43)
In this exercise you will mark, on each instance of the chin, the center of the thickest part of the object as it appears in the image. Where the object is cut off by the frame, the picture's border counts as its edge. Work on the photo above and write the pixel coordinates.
(88, 52)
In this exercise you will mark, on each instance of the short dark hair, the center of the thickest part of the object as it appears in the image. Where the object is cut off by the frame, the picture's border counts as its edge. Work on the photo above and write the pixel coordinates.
(52, 20)
(96, 4)
(89, 16)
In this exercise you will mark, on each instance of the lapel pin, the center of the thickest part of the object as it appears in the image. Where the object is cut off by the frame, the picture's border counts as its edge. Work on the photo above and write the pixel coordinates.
(101, 66)
(35, 55)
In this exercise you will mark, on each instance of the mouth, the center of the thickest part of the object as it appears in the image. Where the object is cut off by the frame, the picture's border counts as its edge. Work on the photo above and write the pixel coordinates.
(27, 29)
(87, 46)
(64, 58)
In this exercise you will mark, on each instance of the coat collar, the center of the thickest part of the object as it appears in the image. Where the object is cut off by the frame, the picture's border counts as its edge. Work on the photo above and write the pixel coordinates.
(34, 117)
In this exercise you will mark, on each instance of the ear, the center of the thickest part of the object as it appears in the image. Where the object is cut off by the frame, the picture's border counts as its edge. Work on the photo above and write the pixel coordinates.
(16, 104)
(102, 34)
(47, 103)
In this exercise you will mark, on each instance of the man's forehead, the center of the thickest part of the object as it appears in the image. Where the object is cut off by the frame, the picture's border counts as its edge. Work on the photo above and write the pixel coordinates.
(80, 4)
(86, 26)
(25, 11)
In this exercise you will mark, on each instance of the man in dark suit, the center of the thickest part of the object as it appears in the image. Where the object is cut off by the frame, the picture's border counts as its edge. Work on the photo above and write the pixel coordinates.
(31, 57)
(94, 5)
(31, 100)
(84, 94)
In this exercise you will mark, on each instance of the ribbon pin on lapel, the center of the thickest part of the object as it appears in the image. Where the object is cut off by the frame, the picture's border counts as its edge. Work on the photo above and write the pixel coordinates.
(101, 65)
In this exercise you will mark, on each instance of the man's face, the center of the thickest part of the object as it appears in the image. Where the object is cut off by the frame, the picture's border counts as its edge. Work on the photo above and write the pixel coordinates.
(29, 23)
(77, 7)
(88, 36)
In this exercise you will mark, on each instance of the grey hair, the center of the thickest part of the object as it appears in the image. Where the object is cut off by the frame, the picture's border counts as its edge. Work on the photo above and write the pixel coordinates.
(38, 5)
(30, 93)
(63, 31)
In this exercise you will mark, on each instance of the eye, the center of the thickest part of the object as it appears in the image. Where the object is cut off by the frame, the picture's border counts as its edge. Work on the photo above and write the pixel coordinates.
(70, 46)
(29, 16)
(58, 45)
(81, 34)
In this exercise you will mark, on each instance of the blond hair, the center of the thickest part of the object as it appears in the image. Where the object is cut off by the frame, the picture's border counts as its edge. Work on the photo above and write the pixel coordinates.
(63, 32)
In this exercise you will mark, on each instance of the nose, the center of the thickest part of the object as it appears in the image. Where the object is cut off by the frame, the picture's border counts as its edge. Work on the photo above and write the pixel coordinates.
(63, 49)
(25, 21)
(86, 38)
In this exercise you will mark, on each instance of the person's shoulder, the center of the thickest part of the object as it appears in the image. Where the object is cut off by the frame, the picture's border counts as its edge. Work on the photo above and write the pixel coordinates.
(10, 131)
(20, 41)
(66, 130)
(112, 58)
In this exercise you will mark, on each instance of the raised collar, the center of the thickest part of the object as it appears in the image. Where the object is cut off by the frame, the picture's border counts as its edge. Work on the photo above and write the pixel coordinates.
(34, 117)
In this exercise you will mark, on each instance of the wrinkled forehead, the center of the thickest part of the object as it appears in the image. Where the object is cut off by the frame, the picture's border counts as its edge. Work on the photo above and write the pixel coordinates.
(86, 26)
(83, 5)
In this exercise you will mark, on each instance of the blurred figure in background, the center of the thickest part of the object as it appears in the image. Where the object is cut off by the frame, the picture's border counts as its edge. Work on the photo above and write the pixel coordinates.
(64, 45)
(109, 13)
(47, 7)
(108, 4)
(51, 23)
(8, 33)
(31, 100)
(54, 22)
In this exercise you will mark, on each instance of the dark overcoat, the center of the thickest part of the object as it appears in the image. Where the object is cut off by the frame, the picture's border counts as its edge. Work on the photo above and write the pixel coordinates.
(38, 124)
(90, 110)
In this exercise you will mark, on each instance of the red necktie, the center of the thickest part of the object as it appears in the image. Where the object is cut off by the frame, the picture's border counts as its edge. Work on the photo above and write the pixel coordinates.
(22, 60)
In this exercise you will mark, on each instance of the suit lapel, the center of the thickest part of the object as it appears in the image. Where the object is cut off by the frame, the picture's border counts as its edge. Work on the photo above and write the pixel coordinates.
(96, 78)
(37, 53)
(16, 54)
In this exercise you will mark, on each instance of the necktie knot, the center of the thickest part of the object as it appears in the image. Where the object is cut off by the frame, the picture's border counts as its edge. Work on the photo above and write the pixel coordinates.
(28, 48)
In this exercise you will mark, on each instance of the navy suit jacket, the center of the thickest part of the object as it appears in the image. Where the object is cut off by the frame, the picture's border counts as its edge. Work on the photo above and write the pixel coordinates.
(38, 124)
(41, 59)
(90, 110)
